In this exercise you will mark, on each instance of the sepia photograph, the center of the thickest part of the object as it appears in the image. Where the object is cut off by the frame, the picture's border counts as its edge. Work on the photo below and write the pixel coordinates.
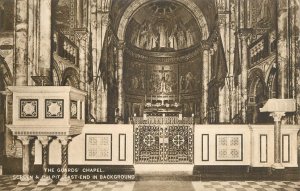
(150, 95)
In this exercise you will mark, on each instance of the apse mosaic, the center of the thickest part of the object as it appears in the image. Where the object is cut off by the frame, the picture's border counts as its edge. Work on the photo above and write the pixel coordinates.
(54, 108)
(162, 79)
(28, 108)
(229, 147)
(135, 78)
(170, 27)
(190, 77)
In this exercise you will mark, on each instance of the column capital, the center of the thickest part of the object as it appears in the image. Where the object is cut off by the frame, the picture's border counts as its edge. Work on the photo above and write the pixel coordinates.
(64, 140)
(277, 116)
(81, 34)
(24, 139)
(44, 140)
(245, 33)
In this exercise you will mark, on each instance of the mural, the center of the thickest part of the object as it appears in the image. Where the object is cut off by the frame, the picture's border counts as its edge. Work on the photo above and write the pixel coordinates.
(135, 78)
(190, 77)
(162, 79)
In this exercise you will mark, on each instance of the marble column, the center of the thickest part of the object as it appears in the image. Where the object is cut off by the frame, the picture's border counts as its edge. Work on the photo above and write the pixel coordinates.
(45, 38)
(205, 78)
(282, 48)
(103, 87)
(244, 73)
(81, 37)
(25, 179)
(64, 180)
(79, 13)
(277, 139)
(121, 100)
(93, 51)
(21, 43)
(45, 180)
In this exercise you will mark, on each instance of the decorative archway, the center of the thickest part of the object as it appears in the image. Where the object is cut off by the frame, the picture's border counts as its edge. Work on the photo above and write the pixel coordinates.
(70, 77)
(258, 95)
(135, 5)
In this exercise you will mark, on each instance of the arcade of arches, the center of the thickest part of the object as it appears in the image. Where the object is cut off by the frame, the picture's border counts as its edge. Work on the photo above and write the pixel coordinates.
(216, 60)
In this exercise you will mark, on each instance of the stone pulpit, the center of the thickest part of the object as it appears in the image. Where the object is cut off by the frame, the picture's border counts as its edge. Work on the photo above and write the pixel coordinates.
(277, 109)
(44, 113)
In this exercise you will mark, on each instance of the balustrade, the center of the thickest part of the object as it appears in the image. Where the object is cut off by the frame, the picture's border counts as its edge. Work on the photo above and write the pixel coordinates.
(262, 48)
(65, 48)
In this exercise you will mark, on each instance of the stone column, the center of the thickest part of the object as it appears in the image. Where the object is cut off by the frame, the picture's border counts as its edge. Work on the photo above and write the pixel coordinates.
(121, 100)
(81, 37)
(45, 38)
(21, 43)
(277, 139)
(64, 180)
(205, 78)
(25, 179)
(282, 48)
(244, 73)
(45, 180)
(79, 10)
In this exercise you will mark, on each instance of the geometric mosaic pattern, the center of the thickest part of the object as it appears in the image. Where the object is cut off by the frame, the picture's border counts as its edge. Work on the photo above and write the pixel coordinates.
(73, 109)
(247, 185)
(6, 183)
(28, 108)
(229, 147)
(54, 108)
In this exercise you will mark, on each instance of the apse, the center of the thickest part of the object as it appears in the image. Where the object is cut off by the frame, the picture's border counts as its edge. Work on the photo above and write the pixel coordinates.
(163, 61)
(163, 26)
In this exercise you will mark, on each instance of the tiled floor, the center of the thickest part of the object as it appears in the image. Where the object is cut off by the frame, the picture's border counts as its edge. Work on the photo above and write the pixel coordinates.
(7, 184)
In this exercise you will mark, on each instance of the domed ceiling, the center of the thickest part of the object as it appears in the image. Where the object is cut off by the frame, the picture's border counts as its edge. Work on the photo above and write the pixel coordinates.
(163, 26)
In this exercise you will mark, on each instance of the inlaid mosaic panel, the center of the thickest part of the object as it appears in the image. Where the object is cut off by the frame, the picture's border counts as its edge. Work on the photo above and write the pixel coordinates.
(73, 109)
(28, 108)
(163, 144)
(229, 147)
(180, 147)
(54, 108)
(98, 147)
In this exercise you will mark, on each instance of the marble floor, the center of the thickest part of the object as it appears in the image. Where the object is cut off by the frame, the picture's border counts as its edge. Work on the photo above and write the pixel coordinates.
(7, 184)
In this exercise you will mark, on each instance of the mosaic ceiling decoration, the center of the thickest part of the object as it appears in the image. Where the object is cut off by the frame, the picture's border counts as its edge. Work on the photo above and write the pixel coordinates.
(163, 26)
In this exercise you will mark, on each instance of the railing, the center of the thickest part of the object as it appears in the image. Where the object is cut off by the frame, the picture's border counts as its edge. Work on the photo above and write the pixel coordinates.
(262, 48)
(65, 48)
(163, 120)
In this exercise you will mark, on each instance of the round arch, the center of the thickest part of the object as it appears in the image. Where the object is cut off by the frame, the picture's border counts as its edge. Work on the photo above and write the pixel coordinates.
(70, 77)
(255, 76)
(190, 5)
(258, 94)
